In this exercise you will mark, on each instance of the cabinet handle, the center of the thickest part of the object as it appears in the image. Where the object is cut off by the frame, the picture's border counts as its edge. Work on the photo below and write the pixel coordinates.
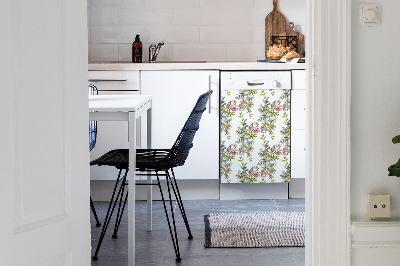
(209, 99)
(100, 80)
(255, 83)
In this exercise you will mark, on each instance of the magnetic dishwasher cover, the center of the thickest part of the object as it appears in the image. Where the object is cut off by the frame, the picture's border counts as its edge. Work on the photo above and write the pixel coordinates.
(255, 126)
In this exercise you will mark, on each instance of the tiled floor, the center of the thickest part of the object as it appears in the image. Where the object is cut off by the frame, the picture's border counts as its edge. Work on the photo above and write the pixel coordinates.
(155, 248)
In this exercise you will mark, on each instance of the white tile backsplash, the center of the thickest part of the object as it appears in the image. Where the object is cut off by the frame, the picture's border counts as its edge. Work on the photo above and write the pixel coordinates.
(199, 16)
(145, 17)
(125, 52)
(104, 16)
(119, 3)
(192, 30)
(249, 52)
(246, 17)
(224, 34)
(103, 52)
(173, 34)
(199, 52)
(116, 34)
(214, 3)
(172, 3)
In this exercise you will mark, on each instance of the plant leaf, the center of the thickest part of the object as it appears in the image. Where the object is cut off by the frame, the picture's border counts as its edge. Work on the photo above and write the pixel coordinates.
(396, 139)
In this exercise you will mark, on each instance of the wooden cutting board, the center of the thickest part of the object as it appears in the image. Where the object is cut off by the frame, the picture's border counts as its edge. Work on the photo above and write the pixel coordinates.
(292, 32)
(275, 23)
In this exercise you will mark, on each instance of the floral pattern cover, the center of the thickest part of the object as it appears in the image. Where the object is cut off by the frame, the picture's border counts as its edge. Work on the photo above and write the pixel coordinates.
(255, 136)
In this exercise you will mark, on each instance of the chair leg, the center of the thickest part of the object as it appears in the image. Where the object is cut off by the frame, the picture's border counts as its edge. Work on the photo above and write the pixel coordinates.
(109, 212)
(174, 239)
(94, 213)
(180, 203)
(120, 211)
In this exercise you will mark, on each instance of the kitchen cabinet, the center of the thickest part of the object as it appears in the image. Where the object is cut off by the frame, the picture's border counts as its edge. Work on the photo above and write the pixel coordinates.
(112, 134)
(298, 123)
(174, 96)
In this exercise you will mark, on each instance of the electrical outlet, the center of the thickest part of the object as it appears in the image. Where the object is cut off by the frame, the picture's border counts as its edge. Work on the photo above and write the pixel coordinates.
(378, 206)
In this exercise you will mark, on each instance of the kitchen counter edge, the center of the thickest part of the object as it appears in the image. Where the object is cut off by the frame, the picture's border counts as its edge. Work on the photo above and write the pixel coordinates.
(194, 66)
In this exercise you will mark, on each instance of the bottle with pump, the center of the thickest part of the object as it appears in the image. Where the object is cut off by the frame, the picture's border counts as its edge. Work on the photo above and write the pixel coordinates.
(137, 50)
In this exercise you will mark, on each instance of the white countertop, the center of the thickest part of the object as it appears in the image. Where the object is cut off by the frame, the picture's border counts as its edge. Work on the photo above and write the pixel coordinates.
(196, 66)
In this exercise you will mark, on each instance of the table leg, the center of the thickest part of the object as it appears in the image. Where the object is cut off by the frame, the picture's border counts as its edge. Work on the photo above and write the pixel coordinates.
(149, 178)
(132, 190)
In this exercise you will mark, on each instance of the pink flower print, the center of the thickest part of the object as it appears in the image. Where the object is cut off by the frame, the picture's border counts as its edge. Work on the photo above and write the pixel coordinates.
(278, 101)
(256, 167)
(277, 153)
(255, 123)
(233, 108)
(228, 105)
(255, 130)
(278, 145)
(234, 145)
(255, 174)
(273, 105)
(233, 152)
(277, 108)
(234, 101)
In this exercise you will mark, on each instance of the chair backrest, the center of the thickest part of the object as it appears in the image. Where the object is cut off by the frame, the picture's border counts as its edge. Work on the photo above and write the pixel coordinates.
(92, 124)
(180, 150)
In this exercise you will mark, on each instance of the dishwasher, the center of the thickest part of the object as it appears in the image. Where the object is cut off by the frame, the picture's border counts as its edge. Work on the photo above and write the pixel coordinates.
(255, 126)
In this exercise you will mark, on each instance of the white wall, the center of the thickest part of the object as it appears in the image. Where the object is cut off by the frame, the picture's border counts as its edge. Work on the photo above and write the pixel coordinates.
(193, 30)
(375, 108)
(375, 120)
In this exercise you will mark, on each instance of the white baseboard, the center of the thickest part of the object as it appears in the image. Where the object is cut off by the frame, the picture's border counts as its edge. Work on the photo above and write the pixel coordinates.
(101, 190)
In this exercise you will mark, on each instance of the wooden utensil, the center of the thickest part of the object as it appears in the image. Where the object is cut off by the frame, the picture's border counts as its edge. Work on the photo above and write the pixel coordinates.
(299, 36)
(275, 23)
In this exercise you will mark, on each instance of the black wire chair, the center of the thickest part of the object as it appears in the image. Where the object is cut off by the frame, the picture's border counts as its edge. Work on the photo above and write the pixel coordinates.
(149, 161)
(92, 143)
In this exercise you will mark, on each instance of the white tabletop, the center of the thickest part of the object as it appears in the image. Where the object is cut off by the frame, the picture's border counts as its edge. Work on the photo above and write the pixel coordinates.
(117, 103)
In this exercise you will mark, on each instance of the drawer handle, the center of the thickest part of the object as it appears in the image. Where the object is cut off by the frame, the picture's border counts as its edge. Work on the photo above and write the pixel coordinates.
(100, 80)
(255, 83)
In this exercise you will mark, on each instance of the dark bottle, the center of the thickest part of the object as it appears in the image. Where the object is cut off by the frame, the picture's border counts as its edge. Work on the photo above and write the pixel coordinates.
(137, 50)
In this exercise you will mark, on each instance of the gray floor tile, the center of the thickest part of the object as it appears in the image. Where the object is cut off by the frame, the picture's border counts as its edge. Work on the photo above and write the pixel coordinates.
(155, 248)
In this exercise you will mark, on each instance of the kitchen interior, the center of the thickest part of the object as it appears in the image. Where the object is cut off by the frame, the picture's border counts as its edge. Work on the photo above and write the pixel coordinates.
(188, 48)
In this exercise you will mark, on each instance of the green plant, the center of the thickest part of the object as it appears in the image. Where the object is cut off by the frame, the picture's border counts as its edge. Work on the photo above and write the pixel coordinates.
(394, 170)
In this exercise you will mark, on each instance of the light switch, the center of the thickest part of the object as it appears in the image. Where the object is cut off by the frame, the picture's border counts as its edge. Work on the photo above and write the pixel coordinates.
(369, 14)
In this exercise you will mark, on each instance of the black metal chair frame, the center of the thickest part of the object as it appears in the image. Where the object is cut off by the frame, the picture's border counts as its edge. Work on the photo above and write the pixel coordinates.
(152, 162)
(92, 143)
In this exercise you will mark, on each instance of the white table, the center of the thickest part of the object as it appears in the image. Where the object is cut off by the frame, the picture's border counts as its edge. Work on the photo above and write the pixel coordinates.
(127, 108)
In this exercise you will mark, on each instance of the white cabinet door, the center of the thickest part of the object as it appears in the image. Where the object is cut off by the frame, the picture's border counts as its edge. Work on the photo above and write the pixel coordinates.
(298, 126)
(298, 153)
(298, 107)
(112, 134)
(44, 171)
(174, 96)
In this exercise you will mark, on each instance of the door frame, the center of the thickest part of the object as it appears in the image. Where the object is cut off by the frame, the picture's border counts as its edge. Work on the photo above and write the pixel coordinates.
(328, 221)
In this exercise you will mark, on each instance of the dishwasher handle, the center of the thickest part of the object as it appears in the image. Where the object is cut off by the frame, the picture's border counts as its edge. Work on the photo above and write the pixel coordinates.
(249, 83)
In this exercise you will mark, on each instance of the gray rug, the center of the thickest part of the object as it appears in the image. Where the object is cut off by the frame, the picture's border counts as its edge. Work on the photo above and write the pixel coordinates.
(238, 230)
